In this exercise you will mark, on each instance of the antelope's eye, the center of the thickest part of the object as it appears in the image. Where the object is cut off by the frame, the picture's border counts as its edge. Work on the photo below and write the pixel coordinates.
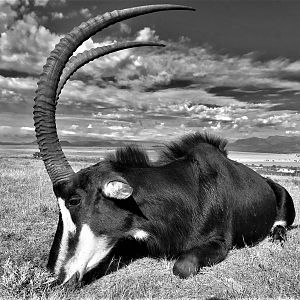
(75, 200)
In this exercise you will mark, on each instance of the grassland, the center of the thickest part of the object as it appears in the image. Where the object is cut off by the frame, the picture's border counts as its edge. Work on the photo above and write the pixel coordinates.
(28, 217)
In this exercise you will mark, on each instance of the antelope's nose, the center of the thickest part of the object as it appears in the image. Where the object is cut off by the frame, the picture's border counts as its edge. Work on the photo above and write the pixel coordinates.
(73, 282)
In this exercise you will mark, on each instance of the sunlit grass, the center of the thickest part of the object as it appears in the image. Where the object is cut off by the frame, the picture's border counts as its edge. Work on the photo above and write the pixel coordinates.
(28, 217)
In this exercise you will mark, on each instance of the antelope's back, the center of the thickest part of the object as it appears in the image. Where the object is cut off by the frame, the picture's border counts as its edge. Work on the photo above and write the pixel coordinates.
(252, 203)
(239, 200)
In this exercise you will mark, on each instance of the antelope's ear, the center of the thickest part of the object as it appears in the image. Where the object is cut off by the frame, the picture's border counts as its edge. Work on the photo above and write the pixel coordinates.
(117, 190)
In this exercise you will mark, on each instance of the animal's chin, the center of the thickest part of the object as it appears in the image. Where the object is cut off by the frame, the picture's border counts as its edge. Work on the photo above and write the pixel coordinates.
(78, 279)
(74, 282)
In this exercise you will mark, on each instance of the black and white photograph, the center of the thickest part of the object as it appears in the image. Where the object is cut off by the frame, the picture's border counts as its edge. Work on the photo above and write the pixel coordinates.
(149, 149)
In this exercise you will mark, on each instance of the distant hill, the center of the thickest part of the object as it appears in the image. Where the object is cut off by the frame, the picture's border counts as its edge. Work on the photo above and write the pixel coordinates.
(93, 143)
(63, 143)
(34, 143)
(272, 144)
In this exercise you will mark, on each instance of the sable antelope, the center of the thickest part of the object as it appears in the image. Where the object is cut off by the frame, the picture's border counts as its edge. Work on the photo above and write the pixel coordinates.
(193, 204)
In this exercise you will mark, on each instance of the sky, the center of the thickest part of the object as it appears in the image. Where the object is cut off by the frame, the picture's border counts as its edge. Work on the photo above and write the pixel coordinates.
(232, 68)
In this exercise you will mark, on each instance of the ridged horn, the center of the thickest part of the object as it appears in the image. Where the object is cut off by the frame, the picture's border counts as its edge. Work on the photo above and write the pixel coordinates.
(54, 159)
(81, 59)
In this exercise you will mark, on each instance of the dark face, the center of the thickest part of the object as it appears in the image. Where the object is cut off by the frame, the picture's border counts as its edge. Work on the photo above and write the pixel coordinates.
(95, 212)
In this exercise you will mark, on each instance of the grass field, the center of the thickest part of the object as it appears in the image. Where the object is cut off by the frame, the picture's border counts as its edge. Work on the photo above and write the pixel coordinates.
(28, 218)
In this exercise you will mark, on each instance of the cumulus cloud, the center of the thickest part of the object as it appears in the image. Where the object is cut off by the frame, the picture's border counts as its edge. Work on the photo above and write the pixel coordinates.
(27, 128)
(126, 61)
(25, 46)
(292, 132)
(66, 132)
(5, 127)
(57, 15)
(146, 34)
(149, 93)
(178, 66)
(192, 108)
(228, 120)
(124, 28)
(18, 9)
(7, 17)
(17, 84)
(283, 120)
(85, 12)
(13, 132)
(41, 2)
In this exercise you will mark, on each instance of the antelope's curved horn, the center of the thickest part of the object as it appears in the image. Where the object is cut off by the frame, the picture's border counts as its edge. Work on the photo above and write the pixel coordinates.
(79, 60)
(54, 159)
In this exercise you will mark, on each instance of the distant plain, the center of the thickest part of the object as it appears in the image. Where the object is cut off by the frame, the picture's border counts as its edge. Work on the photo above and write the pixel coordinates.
(94, 154)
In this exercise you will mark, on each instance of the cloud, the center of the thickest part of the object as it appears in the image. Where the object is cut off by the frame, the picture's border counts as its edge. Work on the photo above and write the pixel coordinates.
(13, 10)
(146, 34)
(27, 128)
(25, 46)
(5, 127)
(85, 12)
(7, 17)
(180, 66)
(17, 84)
(292, 132)
(283, 120)
(124, 28)
(41, 2)
(20, 8)
(16, 94)
(57, 15)
(13, 132)
(74, 126)
(145, 93)
(66, 132)
(229, 120)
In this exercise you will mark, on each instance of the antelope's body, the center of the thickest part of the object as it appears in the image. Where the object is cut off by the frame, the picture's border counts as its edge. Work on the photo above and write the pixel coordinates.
(193, 204)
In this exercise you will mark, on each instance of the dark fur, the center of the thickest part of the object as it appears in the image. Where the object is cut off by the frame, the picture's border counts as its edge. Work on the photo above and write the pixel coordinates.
(189, 143)
(195, 203)
(129, 157)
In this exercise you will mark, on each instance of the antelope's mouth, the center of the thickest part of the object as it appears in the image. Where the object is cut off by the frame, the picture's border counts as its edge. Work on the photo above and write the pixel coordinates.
(80, 250)
(72, 283)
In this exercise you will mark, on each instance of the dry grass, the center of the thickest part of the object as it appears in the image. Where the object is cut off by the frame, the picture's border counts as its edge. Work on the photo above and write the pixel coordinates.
(28, 216)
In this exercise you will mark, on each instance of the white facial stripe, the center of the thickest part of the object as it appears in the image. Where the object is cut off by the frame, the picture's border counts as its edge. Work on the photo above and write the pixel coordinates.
(68, 228)
(89, 252)
(279, 223)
